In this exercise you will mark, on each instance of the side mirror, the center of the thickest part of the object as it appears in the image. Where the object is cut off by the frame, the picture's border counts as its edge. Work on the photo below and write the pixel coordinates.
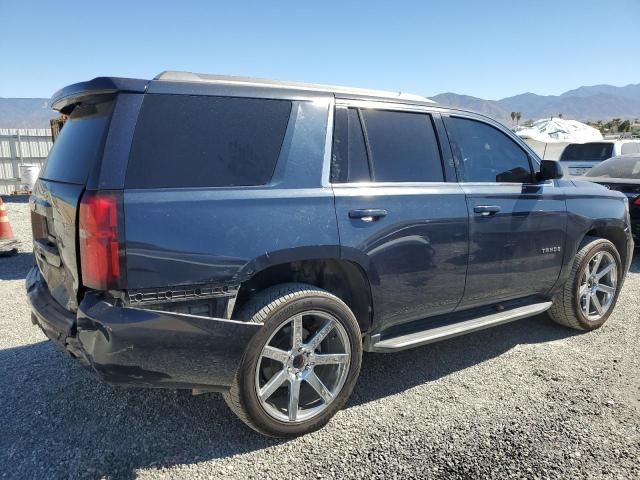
(549, 170)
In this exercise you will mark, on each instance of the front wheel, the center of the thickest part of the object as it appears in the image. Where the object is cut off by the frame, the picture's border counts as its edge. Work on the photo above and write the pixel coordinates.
(589, 295)
(301, 367)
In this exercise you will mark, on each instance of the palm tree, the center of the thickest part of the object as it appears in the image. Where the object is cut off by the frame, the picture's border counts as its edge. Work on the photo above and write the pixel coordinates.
(518, 117)
(513, 117)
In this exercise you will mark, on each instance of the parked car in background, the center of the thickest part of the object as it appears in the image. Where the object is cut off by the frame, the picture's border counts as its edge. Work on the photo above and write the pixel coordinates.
(623, 175)
(253, 237)
(578, 158)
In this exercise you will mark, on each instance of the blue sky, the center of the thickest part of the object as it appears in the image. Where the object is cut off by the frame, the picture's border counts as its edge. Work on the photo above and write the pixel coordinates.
(489, 49)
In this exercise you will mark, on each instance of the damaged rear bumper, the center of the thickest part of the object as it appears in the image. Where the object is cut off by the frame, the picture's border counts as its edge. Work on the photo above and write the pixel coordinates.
(131, 346)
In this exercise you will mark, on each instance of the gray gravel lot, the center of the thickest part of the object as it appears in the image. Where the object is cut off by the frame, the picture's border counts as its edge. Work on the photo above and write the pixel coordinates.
(526, 400)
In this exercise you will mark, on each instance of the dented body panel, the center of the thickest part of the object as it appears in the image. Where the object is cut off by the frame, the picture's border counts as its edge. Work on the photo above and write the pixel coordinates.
(140, 347)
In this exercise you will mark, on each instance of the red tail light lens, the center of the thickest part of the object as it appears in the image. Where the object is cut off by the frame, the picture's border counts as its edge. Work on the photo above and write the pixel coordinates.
(101, 255)
(637, 201)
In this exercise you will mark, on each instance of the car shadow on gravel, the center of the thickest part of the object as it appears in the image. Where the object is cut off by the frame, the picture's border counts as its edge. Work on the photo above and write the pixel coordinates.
(388, 374)
(57, 418)
(15, 266)
(59, 421)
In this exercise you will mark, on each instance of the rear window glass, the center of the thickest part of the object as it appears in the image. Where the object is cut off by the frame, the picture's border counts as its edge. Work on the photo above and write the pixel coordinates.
(79, 145)
(204, 141)
(587, 151)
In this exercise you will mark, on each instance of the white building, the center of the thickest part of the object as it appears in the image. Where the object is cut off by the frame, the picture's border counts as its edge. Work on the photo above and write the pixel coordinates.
(19, 147)
(548, 136)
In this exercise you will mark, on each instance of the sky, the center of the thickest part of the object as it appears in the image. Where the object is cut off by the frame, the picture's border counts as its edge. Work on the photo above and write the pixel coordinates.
(490, 49)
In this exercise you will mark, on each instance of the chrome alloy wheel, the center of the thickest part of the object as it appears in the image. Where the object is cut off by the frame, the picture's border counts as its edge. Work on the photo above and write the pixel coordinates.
(303, 366)
(597, 288)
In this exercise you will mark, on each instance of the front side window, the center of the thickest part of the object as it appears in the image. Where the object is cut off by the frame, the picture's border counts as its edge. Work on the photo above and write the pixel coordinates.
(485, 154)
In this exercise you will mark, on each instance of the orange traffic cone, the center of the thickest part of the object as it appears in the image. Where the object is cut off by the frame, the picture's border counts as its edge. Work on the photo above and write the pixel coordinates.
(8, 244)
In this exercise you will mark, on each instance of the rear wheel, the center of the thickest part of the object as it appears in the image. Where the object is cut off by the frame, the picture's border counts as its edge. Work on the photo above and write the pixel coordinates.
(591, 292)
(300, 369)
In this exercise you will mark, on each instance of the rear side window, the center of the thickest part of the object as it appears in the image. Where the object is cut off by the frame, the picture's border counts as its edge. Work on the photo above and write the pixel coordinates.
(205, 141)
(485, 154)
(630, 147)
(349, 160)
(576, 152)
(79, 145)
(403, 146)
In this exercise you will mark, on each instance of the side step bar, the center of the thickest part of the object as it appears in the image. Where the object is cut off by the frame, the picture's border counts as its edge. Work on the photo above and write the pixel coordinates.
(423, 337)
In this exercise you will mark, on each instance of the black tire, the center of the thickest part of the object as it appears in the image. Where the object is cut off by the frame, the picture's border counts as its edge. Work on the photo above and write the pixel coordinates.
(273, 307)
(566, 309)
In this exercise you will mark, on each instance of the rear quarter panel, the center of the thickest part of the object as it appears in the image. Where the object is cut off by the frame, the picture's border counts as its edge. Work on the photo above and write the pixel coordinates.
(188, 236)
(224, 235)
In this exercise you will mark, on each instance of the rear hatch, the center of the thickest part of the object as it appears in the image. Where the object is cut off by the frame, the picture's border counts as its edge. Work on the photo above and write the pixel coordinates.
(56, 196)
(581, 157)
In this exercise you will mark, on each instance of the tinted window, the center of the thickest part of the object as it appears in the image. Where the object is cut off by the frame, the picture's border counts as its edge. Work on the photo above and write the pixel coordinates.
(630, 147)
(617, 167)
(79, 145)
(485, 154)
(349, 152)
(403, 146)
(587, 151)
(202, 141)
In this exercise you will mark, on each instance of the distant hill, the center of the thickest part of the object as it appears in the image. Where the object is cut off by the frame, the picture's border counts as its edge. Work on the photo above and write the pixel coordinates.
(489, 107)
(25, 112)
(600, 106)
(630, 91)
(598, 102)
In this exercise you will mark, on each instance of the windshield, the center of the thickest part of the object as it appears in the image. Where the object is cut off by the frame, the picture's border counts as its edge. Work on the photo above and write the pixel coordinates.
(587, 151)
(618, 167)
(79, 144)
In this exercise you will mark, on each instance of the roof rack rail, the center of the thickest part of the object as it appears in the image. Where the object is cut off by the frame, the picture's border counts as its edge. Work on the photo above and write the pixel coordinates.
(177, 76)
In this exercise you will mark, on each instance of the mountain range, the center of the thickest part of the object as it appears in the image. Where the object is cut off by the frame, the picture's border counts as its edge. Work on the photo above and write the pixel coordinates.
(597, 102)
(25, 112)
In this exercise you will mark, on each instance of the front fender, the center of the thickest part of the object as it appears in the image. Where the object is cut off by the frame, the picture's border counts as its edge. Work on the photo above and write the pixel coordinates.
(593, 210)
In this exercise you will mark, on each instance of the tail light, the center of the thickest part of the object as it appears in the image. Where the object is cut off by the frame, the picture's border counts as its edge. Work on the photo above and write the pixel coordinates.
(101, 248)
(637, 201)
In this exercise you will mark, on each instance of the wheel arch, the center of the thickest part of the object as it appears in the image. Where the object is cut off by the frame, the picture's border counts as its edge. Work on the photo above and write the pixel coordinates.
(614, 233)
(343, 278)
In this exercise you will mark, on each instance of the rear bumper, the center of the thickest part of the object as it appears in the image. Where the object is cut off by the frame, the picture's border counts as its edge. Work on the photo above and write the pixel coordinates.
(129, 346)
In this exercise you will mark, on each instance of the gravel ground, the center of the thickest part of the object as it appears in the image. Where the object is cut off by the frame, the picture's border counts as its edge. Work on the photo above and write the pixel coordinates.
(526, 400)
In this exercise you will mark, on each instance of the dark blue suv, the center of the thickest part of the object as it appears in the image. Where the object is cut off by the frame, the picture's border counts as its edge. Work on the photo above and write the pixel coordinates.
(255, 237)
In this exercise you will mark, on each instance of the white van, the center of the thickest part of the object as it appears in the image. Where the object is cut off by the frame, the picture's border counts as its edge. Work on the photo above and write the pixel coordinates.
(578, 158)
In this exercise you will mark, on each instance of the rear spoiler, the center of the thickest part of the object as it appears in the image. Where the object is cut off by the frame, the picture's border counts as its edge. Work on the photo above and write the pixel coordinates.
(65, 99)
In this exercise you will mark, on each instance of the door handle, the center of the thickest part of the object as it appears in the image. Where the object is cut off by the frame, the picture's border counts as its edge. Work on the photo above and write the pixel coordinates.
(486, 210)
(368, 214)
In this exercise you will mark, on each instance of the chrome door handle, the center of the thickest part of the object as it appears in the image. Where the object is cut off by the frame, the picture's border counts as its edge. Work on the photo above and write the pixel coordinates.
(486, 210)
(368, 214)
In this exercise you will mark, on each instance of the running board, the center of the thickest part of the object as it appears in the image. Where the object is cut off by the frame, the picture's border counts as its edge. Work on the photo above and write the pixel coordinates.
(423, 337)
